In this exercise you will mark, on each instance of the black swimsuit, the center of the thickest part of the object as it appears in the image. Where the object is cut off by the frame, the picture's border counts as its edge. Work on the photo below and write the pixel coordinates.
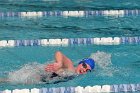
(43, 77)
(56, 78)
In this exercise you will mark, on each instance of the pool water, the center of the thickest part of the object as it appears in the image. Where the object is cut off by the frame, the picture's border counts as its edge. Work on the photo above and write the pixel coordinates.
(76, 27)
(122, 66)
(43, 5)
(116, 64)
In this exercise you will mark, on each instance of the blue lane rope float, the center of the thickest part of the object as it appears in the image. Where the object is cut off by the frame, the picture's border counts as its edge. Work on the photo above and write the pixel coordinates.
(118, 13)
(79, 89)
(71, 41)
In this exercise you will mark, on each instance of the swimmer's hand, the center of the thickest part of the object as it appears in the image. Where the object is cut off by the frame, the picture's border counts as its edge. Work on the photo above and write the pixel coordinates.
(53, 67)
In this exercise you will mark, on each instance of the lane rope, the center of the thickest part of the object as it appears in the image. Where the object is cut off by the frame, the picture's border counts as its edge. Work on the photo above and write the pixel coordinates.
(71, 41)
(81, 13)
(79, 89)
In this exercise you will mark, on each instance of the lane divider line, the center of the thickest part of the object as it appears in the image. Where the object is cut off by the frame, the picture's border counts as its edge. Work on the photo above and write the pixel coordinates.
(79, 89)
(71, 41)
(81, 13)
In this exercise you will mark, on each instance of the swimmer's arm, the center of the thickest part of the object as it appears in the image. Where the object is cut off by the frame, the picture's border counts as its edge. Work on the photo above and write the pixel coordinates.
(61, 62)
(64, 61)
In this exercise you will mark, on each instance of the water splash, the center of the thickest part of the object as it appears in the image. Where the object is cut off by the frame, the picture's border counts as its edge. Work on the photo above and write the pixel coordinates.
(33, 73)
(28, 74)
(102, 59)
(104, 64)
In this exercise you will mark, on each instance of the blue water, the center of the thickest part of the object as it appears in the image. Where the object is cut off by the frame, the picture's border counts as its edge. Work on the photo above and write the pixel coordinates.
(42, 5)
(76, 27)
(125, 59)
(124, 67)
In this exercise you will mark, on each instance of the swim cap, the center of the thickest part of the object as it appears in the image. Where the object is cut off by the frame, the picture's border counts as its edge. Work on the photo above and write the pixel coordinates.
(89, 61)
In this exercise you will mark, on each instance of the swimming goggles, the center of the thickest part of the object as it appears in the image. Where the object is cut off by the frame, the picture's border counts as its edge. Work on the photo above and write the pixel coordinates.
(85, 66)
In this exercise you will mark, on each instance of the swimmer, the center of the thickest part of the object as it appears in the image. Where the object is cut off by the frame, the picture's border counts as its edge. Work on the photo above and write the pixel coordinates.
(61, 69)
(62, 63)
